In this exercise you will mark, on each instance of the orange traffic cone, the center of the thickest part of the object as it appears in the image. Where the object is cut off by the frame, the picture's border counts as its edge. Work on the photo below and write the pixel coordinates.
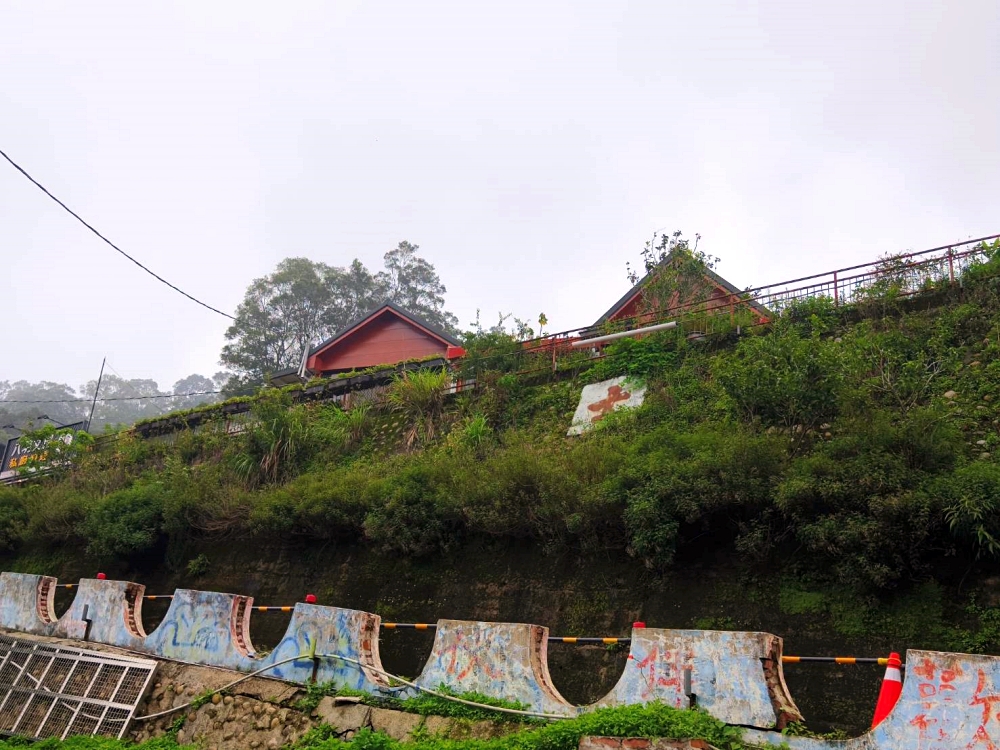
(892, 686)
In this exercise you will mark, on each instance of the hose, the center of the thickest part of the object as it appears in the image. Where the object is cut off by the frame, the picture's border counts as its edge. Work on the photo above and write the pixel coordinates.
(367, 667)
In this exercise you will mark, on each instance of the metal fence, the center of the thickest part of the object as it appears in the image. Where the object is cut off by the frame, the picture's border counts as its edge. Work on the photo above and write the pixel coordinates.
(53, 691)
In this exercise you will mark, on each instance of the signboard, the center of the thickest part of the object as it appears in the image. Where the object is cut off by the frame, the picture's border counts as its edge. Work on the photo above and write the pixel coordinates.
(17, 456)
(600, 399)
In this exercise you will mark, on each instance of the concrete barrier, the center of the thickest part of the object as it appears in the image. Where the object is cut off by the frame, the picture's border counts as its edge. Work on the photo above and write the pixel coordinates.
(949, 701)
(735, 676)
(498, 659)
(104, 611)
(204, 627)
(330, 630)
(27, 602)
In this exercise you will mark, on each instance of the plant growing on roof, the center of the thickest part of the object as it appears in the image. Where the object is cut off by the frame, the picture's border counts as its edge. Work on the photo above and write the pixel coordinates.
(676, 271)
(419, 395)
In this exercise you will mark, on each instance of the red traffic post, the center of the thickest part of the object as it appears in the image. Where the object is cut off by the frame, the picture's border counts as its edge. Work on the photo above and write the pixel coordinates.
(101, 577)
(892, 687)
(310, 598)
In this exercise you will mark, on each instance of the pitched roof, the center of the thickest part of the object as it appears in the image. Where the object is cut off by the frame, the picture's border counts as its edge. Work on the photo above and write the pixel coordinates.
(433, 330)
(707, 273)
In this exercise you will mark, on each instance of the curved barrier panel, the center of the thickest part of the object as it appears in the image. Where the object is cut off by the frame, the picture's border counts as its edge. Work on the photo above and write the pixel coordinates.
(735, 676)
(330, 630)
(27, 602)
(203, 627)
(949, 701)
(102, 611)
(499, 659)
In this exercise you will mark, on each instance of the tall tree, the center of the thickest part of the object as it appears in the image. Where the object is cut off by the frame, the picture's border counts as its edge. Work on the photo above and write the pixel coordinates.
(280, 315)
(304, 302)
(122, 402)
(412, 283)
(193, 384)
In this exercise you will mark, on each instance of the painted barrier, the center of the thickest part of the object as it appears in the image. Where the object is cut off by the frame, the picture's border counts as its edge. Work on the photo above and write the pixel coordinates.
(500, 659)
(105, 612)
(736, 677)
(27, 602)
(205, 627)
(330, 630)
(949, 701)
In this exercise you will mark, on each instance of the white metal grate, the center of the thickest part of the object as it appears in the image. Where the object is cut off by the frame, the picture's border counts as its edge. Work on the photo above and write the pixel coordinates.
(55, 691)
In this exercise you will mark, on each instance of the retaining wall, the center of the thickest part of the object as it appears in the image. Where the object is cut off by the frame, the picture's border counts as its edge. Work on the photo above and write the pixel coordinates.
(948, 700)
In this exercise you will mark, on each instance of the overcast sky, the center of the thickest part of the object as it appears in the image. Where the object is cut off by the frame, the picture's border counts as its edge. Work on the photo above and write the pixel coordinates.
(528, 148)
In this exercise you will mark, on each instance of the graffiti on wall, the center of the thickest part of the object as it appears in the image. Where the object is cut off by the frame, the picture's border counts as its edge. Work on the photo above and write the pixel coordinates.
(597, 400)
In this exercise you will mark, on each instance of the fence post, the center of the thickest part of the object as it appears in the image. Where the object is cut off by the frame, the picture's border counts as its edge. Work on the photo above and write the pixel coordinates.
(836, 292)
(951, 268)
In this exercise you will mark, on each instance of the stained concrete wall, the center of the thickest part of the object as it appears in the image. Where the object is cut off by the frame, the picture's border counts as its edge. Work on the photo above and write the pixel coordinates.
(729, 674)
(499, 659)
(949, 700)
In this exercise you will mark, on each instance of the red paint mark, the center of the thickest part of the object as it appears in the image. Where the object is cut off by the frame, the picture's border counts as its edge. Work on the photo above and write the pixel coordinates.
(922, 723)
(606, 405)
(927, 690)
(925, 669)
(982, 736)
(986, 701)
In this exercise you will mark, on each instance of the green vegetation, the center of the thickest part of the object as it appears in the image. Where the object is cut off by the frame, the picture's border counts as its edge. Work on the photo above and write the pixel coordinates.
(423, 704)
(852, 447)
(655, 720)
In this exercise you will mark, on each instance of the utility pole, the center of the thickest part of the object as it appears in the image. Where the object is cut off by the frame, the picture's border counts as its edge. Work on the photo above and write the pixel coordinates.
(96, 391)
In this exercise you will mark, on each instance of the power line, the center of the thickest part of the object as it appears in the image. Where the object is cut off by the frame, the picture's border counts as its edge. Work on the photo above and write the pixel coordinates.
(80, 219)
(112, 398)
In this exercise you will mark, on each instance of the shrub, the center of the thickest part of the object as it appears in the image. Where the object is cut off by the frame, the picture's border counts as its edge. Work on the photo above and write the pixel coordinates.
(782, 380)
(276, 442)
(419, 396)
(13, 519)
(126, 522)
(971, 497)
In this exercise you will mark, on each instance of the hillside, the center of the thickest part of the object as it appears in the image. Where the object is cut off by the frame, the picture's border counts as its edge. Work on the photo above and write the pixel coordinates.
(841, 462)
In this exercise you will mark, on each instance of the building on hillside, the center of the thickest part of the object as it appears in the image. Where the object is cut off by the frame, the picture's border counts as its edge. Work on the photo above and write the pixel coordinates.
(386, 336)
(709, 293)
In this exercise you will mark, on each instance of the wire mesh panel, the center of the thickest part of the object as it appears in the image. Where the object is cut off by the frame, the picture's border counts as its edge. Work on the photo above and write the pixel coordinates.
(55, 691)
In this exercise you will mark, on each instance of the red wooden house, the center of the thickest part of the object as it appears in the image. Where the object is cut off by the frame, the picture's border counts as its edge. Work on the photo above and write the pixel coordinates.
(385, 336)
(711, 293)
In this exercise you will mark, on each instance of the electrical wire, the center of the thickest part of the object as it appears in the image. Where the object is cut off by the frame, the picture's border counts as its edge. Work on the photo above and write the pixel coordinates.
(111, 398)
(364, 667)
(79, 218)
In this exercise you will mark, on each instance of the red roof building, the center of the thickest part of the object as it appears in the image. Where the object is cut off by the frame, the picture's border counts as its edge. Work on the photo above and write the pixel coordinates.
(386, 336)
(712, 292)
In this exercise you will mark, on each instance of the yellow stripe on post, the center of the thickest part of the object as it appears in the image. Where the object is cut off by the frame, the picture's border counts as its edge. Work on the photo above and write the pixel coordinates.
(569, 640)
(420, 626)
(609, 640)
(883, 661)
(845, 660)
(789, 660)
(286, 609)
(389, 625)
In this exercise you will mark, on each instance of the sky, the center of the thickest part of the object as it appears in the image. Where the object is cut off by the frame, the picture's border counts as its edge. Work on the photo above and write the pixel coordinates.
(529, 148)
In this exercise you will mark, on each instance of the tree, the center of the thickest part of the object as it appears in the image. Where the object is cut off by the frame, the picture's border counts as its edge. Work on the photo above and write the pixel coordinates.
(193, 384)
(17, 416)
(303, 302)
(412, 283)
(281, 314)
(122, 402)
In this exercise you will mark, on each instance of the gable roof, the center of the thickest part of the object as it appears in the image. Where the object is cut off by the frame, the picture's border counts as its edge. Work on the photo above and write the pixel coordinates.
(708, 273)
(443, 336)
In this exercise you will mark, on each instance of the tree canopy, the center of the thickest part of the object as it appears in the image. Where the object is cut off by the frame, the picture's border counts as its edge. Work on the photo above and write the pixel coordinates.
(303, 302)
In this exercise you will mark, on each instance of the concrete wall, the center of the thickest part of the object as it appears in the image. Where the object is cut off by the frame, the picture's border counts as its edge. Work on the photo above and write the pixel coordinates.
(948, 700)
